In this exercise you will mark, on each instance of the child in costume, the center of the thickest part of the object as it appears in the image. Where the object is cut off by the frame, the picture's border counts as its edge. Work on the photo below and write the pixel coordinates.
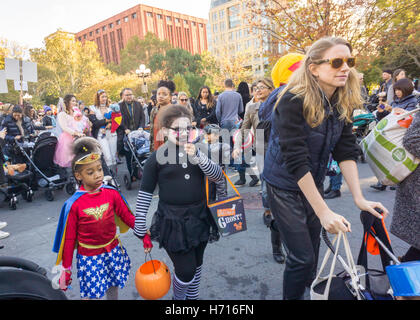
(182, 223)
(81, 123)
(115, 116)
(88, 222)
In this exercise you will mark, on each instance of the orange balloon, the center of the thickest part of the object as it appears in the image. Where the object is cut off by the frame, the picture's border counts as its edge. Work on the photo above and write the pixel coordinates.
(153, 280)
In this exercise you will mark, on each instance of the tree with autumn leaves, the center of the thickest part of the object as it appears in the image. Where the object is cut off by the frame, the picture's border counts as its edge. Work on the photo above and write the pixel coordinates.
(375, 28)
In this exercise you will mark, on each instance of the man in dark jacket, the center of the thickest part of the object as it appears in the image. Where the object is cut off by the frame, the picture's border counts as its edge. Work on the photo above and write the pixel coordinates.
(132, 119)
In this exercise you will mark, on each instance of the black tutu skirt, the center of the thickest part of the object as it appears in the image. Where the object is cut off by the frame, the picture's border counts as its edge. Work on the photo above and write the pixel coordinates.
(178, 229)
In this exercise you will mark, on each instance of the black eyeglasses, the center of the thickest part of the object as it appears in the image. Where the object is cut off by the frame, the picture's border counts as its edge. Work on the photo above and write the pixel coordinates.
(338, 62)
(184, 100)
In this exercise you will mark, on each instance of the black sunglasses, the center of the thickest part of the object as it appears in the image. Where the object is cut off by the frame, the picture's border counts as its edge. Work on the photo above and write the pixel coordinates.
(184, 100)
(338, 62)
(186, 129)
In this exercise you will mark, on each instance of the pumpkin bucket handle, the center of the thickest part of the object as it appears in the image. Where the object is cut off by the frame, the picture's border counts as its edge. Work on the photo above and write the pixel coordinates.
(151, 260)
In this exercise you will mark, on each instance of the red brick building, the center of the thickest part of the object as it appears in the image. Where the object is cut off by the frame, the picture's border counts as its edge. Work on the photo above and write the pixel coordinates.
(111, 35)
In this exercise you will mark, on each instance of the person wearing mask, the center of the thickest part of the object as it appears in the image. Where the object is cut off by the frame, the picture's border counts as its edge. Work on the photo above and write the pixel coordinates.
(243, 90)
(63, 153)
(164, 100)
(101, 129)
(311, 120)
(132, 119)
(397, 75)
(229, 106)
(204, 108)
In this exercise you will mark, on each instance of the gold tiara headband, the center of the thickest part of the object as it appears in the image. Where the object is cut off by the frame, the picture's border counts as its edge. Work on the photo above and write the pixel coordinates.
(89, 158)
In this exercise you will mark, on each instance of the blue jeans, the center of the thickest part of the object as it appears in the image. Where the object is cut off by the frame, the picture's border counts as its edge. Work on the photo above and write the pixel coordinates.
(336, 182)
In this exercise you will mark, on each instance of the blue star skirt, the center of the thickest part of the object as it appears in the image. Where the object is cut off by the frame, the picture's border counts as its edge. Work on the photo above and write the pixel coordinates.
(97, 274)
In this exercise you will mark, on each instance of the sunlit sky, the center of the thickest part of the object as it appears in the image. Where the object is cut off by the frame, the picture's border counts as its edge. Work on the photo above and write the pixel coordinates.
(27, 22)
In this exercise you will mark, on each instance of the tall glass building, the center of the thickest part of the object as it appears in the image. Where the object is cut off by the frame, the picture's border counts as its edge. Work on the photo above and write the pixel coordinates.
(229, 33)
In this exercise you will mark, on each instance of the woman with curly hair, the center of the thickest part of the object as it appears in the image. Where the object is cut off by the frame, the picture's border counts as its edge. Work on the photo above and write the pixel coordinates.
(164, 99)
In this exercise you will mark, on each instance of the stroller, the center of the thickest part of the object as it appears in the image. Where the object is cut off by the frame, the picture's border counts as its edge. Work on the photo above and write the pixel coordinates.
(362, 124)
(19, 183)
(24, 280)
(358, 281)
(47, 175)
(138, 144)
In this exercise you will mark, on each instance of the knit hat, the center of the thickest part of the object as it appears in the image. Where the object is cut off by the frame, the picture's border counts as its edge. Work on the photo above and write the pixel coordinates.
(47, 108)
(285, 67)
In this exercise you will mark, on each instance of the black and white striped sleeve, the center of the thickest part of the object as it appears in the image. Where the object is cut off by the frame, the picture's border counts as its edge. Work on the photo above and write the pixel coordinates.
(142, 207)
(212, 170)
(145, 195)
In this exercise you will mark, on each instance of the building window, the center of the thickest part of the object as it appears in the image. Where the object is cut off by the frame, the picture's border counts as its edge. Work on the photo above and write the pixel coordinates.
(234, 17)
(214, 16)
(97, 31)
(221, 14)
(118, 22)
(177, 20)
(84, 37)
(90, 34)
(222, 26)
(159, 16)
(120, 39)
(134, 15)
(106, 47)
(111, 25)
(104, 28)
(149, 14)
(201, 25)
(194, 24)
(215, 28)
(126, 19)
(168, 19)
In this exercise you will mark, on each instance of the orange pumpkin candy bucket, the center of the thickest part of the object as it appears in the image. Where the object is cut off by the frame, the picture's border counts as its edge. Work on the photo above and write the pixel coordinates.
(153, 279)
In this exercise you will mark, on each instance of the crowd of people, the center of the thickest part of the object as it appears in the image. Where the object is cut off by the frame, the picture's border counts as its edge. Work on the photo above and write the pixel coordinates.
(305, 111)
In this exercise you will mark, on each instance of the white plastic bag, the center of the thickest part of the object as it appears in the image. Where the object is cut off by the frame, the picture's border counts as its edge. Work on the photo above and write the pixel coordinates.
(384, 151)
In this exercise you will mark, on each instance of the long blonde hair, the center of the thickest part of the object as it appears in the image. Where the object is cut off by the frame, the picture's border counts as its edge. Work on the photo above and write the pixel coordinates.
(305, 85)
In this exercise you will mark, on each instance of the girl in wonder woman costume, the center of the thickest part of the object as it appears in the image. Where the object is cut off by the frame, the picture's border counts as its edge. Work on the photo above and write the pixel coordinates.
(88, 221)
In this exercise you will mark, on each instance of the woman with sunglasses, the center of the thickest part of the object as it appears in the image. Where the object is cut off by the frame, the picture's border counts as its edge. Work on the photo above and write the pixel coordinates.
(311, 120)
(182, 223)
(184, 101)
(101, 129)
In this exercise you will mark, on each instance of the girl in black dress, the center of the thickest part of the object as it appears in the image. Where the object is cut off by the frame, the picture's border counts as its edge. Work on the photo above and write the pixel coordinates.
(182, 223)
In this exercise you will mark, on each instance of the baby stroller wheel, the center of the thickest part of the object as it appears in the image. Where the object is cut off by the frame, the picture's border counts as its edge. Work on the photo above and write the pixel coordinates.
(28, 195)
(70, 189)
(49, 195)
(12, 203)
(127, 182)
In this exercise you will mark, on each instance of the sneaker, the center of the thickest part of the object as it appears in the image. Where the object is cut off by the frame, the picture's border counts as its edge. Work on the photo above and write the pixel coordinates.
(3, 224)
(333, 194)
(4, 234)
(379, 187)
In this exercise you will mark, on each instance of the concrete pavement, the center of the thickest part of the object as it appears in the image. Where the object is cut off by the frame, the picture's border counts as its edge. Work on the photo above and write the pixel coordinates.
(239, 267)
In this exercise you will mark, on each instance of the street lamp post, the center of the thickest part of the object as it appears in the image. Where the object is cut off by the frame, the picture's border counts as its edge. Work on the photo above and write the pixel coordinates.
(143, 73)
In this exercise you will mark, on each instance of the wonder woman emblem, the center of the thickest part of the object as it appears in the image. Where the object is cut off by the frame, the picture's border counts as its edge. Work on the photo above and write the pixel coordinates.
(97, 212)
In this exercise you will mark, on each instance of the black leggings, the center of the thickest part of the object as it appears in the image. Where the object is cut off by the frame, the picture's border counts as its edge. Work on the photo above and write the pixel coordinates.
(185, 264)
